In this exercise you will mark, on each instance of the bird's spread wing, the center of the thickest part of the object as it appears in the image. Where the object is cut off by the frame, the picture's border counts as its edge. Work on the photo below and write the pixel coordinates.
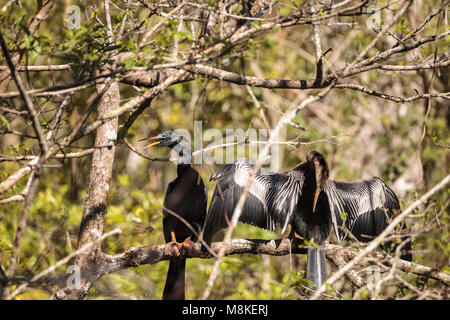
(367, 204)
(271, 198)
(231, 182)
(282, 197)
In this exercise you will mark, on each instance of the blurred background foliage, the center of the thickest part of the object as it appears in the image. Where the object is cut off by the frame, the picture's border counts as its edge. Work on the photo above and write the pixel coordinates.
(360, 135)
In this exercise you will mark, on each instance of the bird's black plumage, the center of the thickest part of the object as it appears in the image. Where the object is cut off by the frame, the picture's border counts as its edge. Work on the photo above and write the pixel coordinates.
(368, 206)
(273, 199)
(186, 196)
(295, 198)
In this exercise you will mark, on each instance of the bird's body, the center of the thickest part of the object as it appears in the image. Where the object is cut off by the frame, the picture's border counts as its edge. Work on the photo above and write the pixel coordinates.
(186, 196)
(305, 222)
(185, 199)
(295, 198)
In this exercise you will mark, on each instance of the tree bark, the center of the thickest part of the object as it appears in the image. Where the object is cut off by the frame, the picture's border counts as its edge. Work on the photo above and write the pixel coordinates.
(95, 203)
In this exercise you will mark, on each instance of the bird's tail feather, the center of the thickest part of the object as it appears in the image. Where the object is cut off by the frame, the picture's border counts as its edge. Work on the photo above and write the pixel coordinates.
(316, 271)
(175, 281)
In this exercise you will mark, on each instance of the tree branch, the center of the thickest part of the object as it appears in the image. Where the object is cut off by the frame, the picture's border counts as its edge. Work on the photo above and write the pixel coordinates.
(53, 67)
(337, 254)
(26, 98)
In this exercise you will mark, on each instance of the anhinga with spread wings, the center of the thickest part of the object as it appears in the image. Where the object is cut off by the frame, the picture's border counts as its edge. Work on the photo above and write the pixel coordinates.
(295, 198)
(186, 197)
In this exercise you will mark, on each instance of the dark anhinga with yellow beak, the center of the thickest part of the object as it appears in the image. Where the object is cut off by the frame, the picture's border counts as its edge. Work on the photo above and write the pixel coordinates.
(306, 199)
(186, 196)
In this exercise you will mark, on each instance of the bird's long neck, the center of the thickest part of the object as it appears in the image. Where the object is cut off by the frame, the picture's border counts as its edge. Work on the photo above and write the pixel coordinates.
(184, 159)
(182, 169)
(321, 171)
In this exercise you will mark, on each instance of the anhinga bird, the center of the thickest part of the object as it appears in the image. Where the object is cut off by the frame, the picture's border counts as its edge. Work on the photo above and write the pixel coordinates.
(186, 196)
(294, 197)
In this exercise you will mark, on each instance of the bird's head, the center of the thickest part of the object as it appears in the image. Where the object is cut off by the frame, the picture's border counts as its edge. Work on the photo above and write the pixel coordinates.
(175, 141)
(169, 139)
(321, 172)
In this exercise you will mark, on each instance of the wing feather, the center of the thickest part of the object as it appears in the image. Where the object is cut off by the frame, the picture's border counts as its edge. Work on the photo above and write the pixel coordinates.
(271, 200)
(368, 205)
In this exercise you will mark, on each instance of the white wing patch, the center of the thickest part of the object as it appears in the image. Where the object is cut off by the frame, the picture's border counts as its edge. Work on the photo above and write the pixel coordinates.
(259, 186)
(373, 198)
(354, 198)
(278, 193)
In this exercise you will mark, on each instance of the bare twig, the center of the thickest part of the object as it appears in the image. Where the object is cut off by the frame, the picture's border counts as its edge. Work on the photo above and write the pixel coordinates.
(54, 67)
(28, 102)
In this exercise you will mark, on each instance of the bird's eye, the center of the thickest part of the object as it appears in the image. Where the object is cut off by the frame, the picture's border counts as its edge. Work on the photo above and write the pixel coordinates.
(164, 136)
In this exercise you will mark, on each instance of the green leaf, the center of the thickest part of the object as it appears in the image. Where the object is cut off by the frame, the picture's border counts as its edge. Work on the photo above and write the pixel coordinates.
(5, 123)
(343, 217)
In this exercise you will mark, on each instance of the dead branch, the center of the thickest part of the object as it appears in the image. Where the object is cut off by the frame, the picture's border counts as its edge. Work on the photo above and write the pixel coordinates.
(137, 256)
(54, 67)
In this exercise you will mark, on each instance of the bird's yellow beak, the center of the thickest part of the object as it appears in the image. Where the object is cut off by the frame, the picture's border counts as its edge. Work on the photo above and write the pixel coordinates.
(153, 143)
(316, 195)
